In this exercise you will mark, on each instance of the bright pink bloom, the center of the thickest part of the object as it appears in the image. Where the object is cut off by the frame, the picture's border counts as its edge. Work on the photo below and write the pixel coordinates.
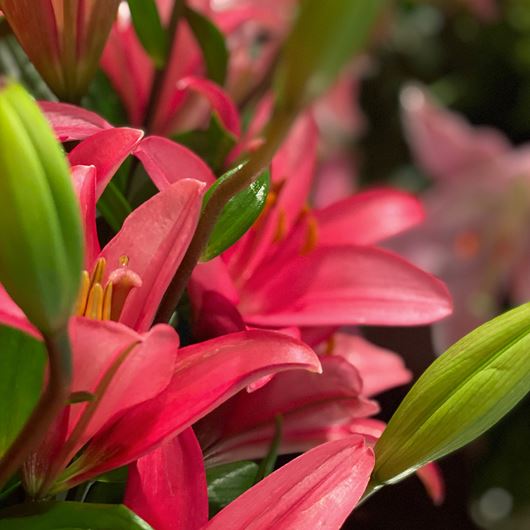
(133, 370)
(319, 489)
(303, 267)
(63, 39)
(475, 235)
(132, 72)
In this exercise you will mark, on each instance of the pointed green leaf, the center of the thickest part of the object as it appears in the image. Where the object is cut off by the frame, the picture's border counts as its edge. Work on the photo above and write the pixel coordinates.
(461, 395)
(212, 43)
(22, 360)
(228, 481)
(70, 516)
(325, 37)
(149, 29)
(238, 215)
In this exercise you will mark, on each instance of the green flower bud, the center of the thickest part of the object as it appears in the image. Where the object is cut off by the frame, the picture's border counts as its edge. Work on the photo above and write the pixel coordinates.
(461, 395)
(41, 243)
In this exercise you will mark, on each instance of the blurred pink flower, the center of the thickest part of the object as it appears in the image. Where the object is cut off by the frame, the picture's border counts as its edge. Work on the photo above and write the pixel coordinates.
(478, 208)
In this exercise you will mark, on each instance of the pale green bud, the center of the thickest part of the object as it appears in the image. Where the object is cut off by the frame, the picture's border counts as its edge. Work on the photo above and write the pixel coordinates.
(41, 243)
(461, 395)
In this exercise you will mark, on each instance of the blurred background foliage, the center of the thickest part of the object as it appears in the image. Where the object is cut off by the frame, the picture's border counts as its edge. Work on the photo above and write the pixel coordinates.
(482, 69)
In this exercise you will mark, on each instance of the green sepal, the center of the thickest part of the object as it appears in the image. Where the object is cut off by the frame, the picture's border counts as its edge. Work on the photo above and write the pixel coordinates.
(212, 43)
(227, 482)
(70, 516)
(149, 29)
(238, 215)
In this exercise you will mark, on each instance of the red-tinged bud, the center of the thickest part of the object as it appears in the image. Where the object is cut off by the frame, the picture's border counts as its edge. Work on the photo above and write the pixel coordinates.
(64, 39)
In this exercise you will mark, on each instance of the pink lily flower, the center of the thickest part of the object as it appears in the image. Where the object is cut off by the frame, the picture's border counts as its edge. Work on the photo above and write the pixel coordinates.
(304, 267)
(64, 40)
(481, 250)
(136, 369)
(319, 489)
(131, 72)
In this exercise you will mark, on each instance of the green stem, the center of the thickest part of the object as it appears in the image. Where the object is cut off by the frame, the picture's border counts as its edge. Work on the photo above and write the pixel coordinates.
(50, 404)
(279, 127)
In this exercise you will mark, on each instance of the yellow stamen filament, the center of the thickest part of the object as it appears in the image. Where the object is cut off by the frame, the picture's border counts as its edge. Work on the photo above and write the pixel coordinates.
(100, 302)
(330, 345)
(281, 227)
(99, 271)
(83, 294)
(311, 237)
(107, 301)
(94, 306)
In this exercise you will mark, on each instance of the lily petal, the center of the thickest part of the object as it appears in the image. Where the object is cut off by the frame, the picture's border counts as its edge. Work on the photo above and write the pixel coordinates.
(154, 239)
(71, 122)
(206, 375)
(106, 150)
(167, 162)
(316, 490)
(368, 217)
(343, 285)
(167, 487)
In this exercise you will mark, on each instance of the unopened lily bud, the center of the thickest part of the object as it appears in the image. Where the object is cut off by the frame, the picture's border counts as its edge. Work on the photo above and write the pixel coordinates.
(461, 395)
(64, 39)
(41, 249)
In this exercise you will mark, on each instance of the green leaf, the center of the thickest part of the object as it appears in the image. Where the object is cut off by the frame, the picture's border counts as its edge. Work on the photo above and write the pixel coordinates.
(461, 395)
(228, 481)
(266, 466)
(70, 516)
(118, 475)
(212, 43)
(212, 144)
(149, 29)
(325, 37)
(113, 206)
(239, 214)
(22, 360)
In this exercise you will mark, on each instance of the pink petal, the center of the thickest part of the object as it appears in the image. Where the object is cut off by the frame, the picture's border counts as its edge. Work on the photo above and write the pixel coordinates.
(335, 180)
(380, 369)
(432, 478)
(316, 490)
(167, 162)
(72, 123)
(142, 375)
(341, 286)
(218, 99)
(443, 143)
(167, 487)
(129, 69)
(292, 171)
(84, 178)
(11, 315)
(368, 217)
(154, 238)
(312, 407)
(207, 374)
(106, 150)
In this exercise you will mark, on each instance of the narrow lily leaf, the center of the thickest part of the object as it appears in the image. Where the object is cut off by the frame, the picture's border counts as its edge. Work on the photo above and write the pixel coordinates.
(238, 215)
(461, 395)
(213, 144)
(310, 64)
(227, 482)
(21, 375)
(267, 464)
(212, 43)
(113, 206)
(70, 516)
(149, 29)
